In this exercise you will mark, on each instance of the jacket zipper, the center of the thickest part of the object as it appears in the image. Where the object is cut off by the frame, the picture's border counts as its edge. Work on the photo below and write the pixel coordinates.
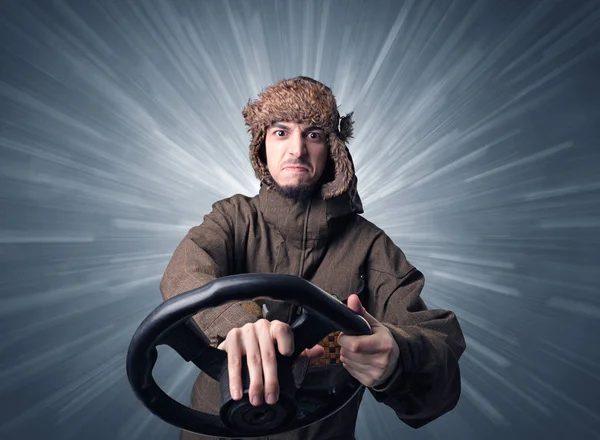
(305, 229)
(295, 310)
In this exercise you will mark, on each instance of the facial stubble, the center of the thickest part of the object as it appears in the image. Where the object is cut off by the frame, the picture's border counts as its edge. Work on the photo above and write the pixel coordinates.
(301, 192)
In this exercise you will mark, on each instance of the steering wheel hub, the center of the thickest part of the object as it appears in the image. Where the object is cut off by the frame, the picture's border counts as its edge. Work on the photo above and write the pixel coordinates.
(242, 416)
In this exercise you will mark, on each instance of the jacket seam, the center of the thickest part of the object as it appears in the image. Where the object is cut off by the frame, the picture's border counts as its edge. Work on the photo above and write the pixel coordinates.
(393, 275)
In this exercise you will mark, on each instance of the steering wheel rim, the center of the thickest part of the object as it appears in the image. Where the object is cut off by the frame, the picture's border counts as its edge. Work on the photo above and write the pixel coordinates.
(171, 324)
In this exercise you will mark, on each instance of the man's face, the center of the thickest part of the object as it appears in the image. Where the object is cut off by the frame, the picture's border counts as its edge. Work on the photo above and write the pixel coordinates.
(296, 154)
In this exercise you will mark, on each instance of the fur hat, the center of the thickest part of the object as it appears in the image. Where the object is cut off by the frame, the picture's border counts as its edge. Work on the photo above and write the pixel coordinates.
(305, 101)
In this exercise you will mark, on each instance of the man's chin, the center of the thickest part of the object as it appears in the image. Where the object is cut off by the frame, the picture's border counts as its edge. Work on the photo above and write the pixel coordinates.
(297, 192)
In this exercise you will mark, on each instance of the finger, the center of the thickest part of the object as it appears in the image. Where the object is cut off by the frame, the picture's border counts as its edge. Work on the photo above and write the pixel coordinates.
(357, 357)
(269, 361)
(314, 352)
(355, 305)
(377, 364)
(284, 336)
(363, 378)
(254, 360)
(356, 366)
(233, 345)
(366, 344)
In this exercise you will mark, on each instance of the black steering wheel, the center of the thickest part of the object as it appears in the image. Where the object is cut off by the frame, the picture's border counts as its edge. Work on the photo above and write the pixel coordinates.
(171, 324)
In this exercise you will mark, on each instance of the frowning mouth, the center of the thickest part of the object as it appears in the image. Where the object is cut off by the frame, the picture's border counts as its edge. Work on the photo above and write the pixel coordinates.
(296, 168)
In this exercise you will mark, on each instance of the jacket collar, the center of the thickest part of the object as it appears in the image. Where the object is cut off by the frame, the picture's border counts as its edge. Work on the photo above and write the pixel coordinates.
(308, 220)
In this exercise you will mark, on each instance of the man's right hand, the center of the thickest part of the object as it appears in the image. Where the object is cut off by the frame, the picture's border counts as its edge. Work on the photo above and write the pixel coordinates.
(256, 342)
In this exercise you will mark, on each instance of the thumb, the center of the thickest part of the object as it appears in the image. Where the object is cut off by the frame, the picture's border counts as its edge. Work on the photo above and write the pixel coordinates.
(355, 305)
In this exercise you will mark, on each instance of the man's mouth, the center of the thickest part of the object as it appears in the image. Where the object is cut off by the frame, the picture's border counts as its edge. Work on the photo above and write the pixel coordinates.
(296, 168)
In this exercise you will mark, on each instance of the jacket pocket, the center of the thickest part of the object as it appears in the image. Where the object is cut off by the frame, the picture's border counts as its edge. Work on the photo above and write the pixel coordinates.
(342, 283)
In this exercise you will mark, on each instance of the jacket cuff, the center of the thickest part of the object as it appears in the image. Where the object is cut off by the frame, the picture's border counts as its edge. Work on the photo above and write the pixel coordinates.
(399, 383)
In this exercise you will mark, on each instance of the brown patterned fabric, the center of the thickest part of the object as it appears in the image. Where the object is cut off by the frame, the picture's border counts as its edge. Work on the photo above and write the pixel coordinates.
(332, 351)
(252, 308)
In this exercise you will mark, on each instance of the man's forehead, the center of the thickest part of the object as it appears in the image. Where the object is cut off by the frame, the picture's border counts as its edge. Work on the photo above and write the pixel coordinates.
(291, 125)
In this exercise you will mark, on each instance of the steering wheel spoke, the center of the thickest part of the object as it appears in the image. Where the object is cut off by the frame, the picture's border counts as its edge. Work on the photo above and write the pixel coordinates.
(308, 330)
(192, 345)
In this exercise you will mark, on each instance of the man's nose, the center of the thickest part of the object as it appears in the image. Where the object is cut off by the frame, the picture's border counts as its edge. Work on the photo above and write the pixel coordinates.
(297, 144)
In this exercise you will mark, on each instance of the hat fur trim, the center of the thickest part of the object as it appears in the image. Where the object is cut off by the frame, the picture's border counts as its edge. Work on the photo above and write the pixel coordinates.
(302, 100)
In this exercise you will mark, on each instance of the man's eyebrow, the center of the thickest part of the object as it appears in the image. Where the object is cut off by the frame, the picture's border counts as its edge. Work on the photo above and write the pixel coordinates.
(280, 125)
(286, 127)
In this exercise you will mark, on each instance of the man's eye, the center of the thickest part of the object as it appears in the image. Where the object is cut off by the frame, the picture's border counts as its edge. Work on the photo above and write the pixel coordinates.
(277, 133)
(314, 135)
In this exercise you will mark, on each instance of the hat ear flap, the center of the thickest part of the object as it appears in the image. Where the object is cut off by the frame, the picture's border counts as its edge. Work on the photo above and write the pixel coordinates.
(340, 156)
(344, 169)
(258, 158)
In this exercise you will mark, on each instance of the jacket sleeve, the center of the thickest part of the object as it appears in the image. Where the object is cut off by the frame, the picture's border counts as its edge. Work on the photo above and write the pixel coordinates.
(426, 382)
(206, 253)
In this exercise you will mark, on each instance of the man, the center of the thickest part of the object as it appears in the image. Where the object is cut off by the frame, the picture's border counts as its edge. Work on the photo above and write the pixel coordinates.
(305, 221)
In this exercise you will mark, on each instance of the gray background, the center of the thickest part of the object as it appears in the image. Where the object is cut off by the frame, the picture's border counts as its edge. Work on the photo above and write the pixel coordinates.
(477, 150)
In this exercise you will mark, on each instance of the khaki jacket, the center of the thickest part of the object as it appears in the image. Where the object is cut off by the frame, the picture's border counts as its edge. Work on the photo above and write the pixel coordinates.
(330, 244)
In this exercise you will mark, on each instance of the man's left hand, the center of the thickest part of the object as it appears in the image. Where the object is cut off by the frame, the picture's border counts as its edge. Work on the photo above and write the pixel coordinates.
(370, 359)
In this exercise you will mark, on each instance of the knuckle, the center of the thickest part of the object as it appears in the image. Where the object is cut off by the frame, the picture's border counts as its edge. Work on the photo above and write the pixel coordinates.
(380, 365)
(269, 356)
(249, 331)
(261, 323)
(277, 328)
(254, 359)
(388, 345)
(281, 327)
(234, 360)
